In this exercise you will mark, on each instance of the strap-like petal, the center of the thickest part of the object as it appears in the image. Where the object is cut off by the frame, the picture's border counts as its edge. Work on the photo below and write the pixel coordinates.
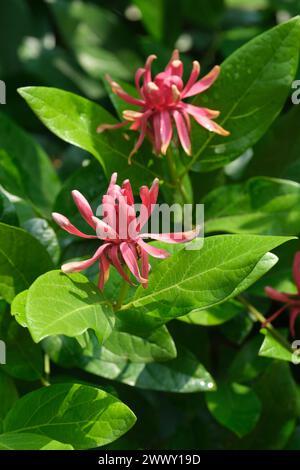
(66, 225)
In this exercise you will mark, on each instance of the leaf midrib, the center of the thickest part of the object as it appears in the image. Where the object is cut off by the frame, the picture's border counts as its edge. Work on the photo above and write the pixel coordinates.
(99, 141)
(140, 301)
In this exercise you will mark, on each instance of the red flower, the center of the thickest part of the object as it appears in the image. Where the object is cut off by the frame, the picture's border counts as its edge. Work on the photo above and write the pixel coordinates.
(291, 301)
(120, 230)
(161, 104)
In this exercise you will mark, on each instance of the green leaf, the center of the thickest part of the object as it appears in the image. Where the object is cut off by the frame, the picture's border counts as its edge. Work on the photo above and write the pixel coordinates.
(181, 375)
(235, 406)
(278, 394)
(19, 155)
(238, 328)
(78, 127)
(18, 308)
(250, 92)
(29, 441)
(24, 359)
(152, 16)
(22, 259)
(214, 316)
(67, 304)
(8, 394)
(126, 344)
(199, 279)
(272, 347)
(281, 139)
(261, 205)
(246, 364)
(96, 37)
(44, 233)
(8, 213)
(82, 416)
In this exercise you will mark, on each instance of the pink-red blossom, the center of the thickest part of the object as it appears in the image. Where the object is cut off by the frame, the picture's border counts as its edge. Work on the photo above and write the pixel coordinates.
(291, 302)
(119, 230)
(161, 106)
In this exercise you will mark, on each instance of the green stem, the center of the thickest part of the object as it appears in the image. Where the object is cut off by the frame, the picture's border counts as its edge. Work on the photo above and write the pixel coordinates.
(122, 295)
(46, 380)
(176, 182)
(263, 320)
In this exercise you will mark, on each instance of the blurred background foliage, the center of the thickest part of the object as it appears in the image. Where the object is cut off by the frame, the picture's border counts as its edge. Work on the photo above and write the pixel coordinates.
(71, 44)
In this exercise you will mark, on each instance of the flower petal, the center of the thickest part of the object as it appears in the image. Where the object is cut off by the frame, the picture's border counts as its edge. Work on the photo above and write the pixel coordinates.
(76, 266)
(176, 237)
(175, 56)
(138, 75)
(118, 90)
(66, 225)
(183, 133)
(104, 231)
(141, 138)
(148, 198)
(192, 78)
(109, 127)
(202, 112)
(104, 271)
(148, 75)
(131, 260)
(204, 83)
(152, 250)
(166, 131)
(126, 186)
(84, 207)
(145, 267)
(205, 121)
(276, 295)
(114, 256)
(156, 130)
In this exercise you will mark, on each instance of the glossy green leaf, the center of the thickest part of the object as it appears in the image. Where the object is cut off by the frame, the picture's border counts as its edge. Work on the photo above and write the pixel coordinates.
(250, 92)
(261, 205)
(18, 266)
(274, 348)
(8, 213)
(24, 359)
(82, 416)
(29, 441)
(67, 304)
(278, 394)
(282, 139)
(235, 406)
(190, 279)
(214, 316)
(247, 364)
(25, 168)
(125, 344)
(44, 233)
(8, 394)
(79, 126)
(18, 308)
(181, 375)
